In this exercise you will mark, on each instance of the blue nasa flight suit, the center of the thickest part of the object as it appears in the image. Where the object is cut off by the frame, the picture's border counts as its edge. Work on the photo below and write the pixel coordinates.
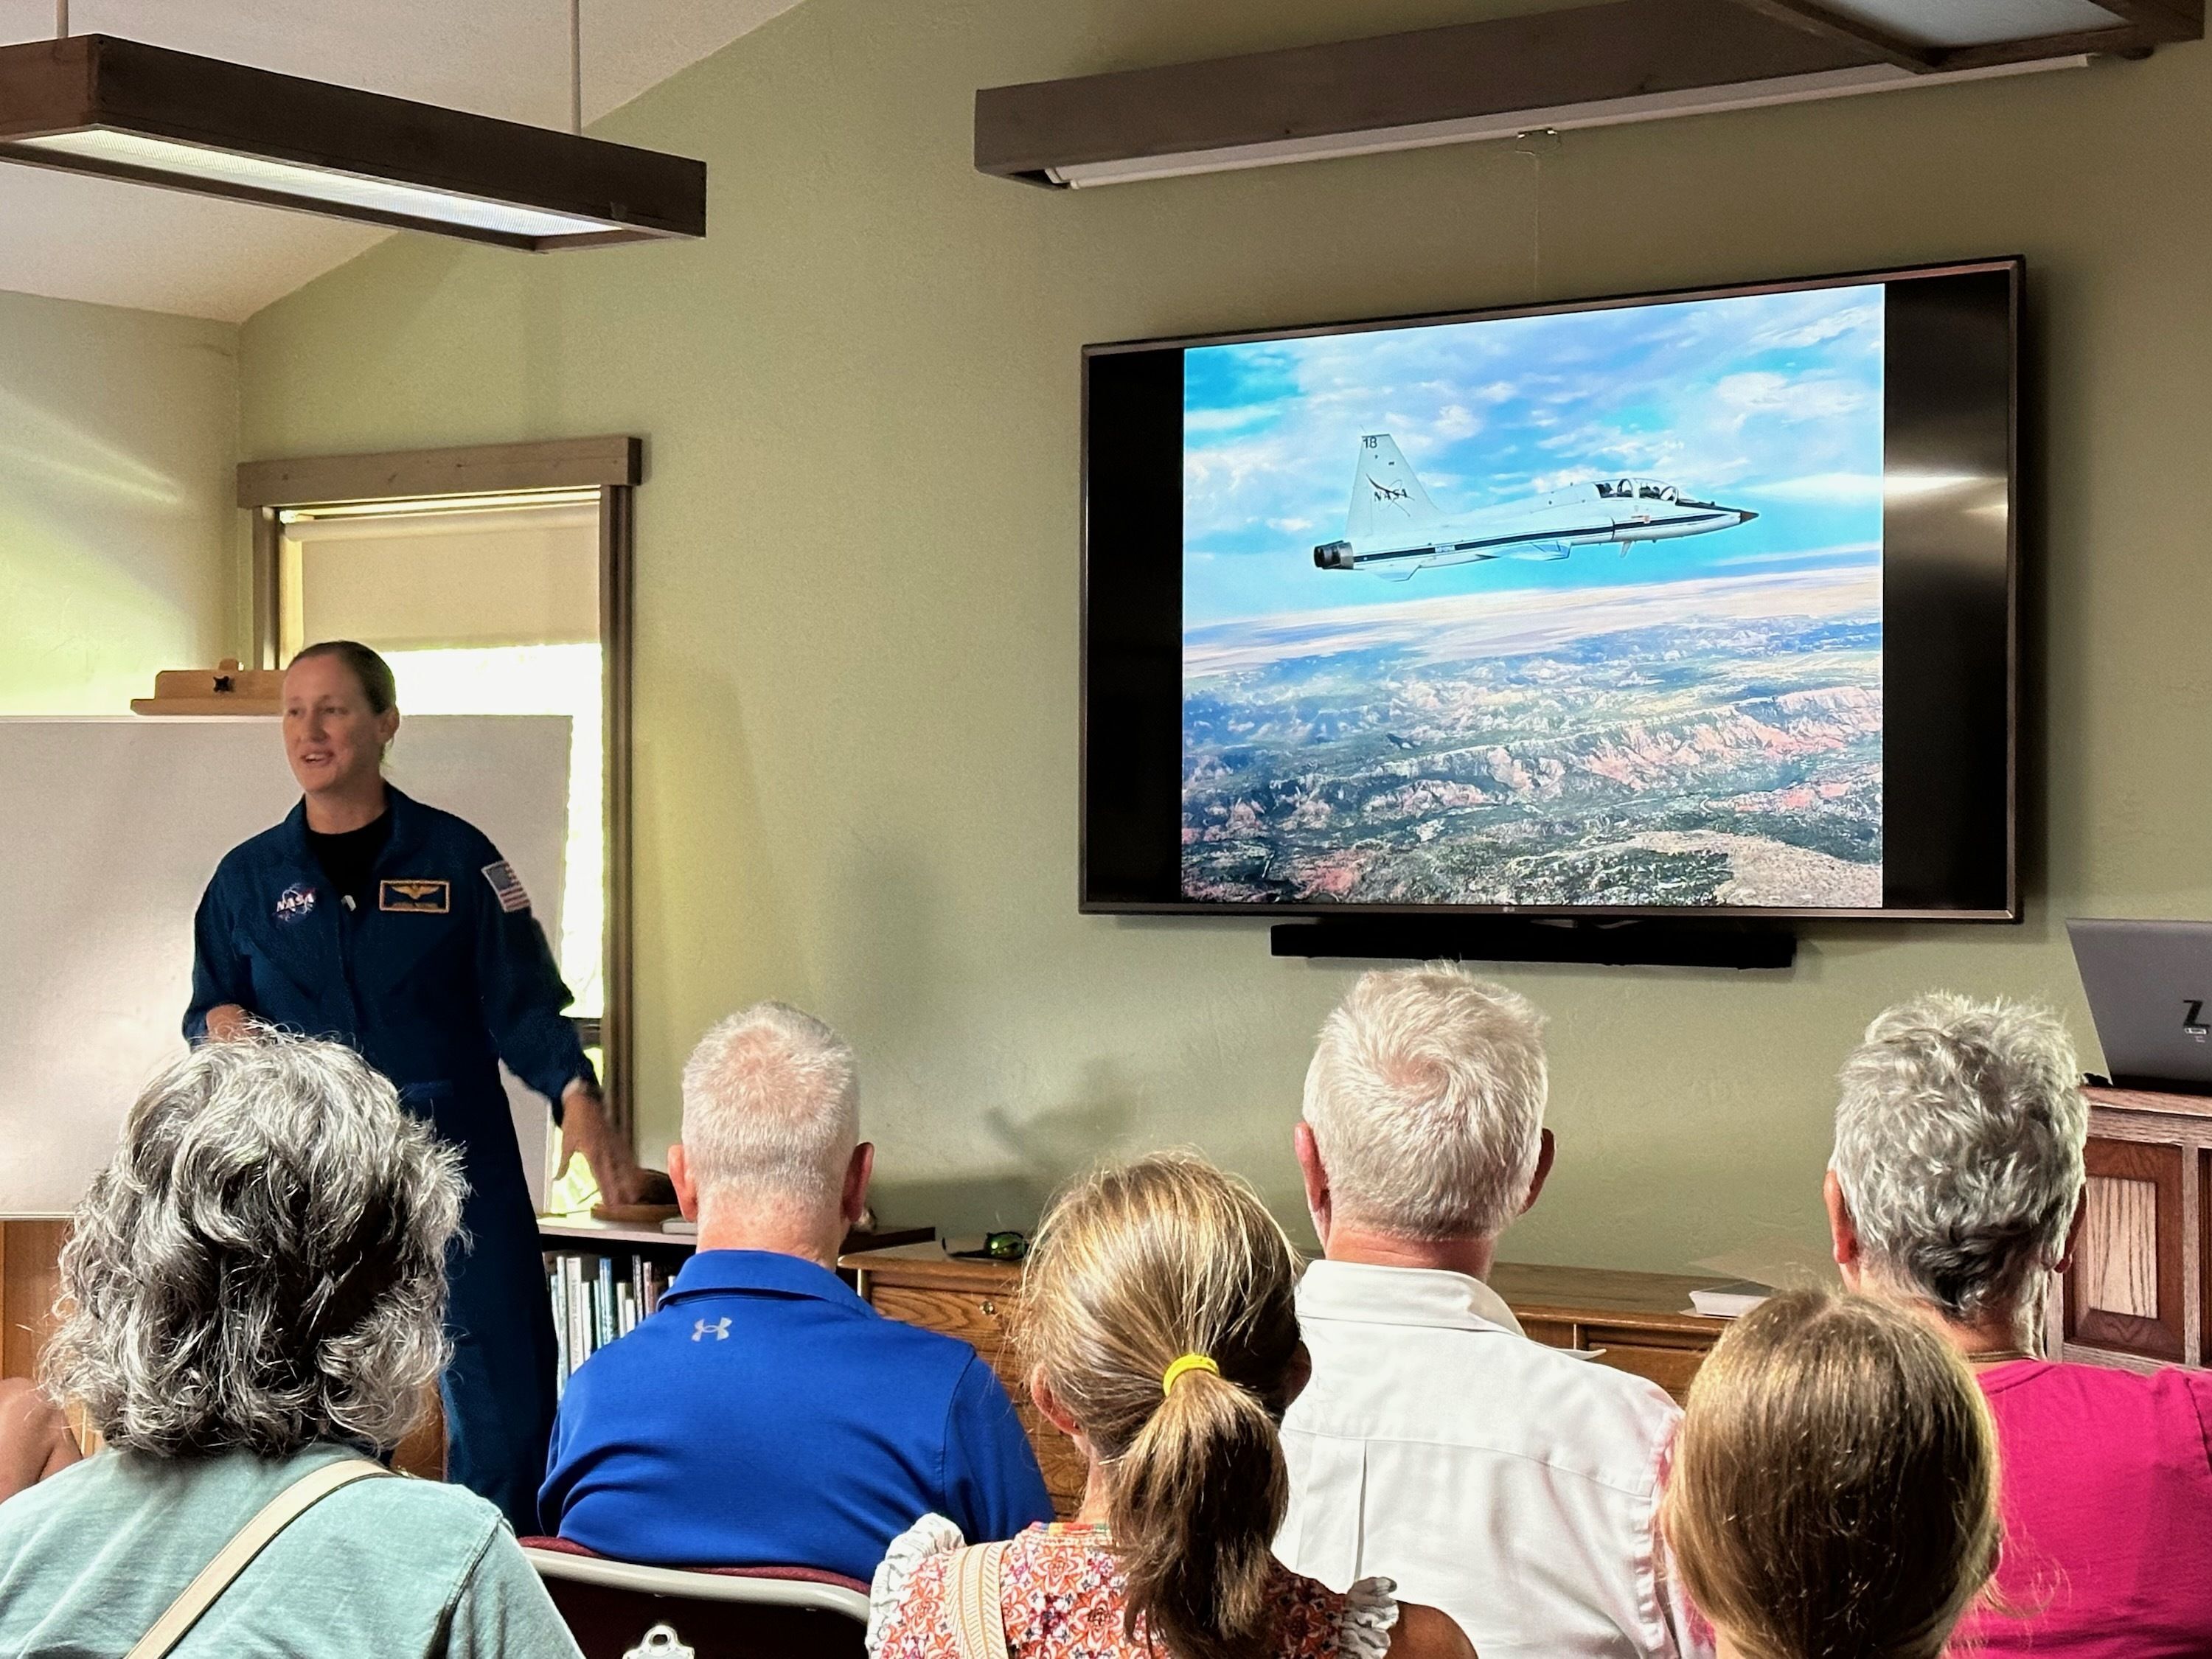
(442, 974)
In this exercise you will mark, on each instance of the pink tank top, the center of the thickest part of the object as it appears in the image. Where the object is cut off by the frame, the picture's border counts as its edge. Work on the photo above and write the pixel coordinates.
(2106, 1491)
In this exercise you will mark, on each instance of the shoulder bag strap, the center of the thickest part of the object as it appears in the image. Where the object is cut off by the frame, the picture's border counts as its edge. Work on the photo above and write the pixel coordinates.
(979, 1619)
(288, 1506)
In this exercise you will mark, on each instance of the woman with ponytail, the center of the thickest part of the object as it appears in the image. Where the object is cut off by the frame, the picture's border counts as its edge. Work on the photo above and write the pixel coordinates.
(1158, 1322)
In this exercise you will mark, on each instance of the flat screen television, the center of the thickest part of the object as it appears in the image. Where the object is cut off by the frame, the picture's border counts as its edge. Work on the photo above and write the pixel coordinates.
(1696, 603)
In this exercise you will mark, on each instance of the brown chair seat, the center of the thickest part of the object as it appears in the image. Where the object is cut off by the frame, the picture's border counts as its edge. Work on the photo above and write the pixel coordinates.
(719, 1613)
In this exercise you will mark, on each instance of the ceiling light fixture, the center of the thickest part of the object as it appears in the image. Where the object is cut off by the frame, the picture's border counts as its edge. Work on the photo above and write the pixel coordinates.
(1512, 124)
(112, 108)
(1587, 65)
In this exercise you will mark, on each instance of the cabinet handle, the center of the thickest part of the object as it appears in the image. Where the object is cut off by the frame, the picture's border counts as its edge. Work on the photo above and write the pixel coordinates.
(990, 1307)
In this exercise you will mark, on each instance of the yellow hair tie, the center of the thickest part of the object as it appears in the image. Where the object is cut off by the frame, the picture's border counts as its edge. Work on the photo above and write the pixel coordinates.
(1190, 1362)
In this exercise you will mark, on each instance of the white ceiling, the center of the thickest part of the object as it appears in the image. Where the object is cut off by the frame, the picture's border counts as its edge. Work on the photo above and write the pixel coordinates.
(159, 250)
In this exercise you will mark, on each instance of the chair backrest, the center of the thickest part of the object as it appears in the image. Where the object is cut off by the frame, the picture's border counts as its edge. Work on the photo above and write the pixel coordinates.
(719, 1613)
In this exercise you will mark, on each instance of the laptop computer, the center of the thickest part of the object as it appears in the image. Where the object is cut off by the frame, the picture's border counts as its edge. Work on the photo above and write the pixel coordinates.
(2150, 992)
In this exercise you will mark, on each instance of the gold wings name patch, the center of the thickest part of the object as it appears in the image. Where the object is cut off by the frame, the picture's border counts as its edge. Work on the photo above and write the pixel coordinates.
(416, 897)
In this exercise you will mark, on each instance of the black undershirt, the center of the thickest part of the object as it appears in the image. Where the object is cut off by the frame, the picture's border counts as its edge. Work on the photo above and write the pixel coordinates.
(348, 856)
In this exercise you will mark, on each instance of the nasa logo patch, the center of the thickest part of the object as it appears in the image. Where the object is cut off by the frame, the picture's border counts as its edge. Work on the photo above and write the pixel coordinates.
(295, 901)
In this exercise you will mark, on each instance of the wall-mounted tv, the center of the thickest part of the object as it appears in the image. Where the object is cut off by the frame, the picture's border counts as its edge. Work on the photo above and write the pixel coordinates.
(1684, 603)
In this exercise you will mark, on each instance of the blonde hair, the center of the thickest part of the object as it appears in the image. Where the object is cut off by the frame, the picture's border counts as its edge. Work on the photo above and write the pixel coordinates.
(1834, 1492)
(1134, 1267)
(1426, 1100)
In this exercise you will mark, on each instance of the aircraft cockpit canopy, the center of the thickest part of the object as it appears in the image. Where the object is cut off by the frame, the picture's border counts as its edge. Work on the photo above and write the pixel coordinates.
(1646, 489)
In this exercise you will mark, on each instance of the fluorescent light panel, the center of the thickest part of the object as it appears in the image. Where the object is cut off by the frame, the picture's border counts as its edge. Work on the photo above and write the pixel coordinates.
(1977, 23)
(1696, 100)
(316, 189)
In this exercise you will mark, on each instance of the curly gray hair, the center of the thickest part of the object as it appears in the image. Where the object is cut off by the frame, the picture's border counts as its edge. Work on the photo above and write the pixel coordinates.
(261, 1263)
(1426, 1100)
(1958, 1138)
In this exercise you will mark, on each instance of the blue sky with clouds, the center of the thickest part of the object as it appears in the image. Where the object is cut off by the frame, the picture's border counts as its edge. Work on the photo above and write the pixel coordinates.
(1771, 401)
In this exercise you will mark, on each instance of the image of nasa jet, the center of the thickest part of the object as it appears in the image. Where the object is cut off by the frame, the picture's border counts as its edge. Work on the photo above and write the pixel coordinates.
(1393, 529)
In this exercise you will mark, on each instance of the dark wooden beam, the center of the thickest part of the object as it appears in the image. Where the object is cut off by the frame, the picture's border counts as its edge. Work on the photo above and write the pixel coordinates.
(415, 474)
(1817, 20)
(2094, 43)
(2160, 22)
(1590, 54)
(50, 87)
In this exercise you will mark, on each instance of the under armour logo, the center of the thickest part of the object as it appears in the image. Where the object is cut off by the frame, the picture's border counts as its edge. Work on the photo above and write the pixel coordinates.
(720, 1330)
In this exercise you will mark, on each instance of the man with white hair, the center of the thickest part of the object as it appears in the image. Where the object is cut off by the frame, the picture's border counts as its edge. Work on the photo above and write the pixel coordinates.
(1956, 1192)
(765, 1415)
(1515, 1485)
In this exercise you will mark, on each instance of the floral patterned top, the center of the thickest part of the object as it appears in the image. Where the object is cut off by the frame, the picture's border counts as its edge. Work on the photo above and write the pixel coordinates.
(1060, 1594)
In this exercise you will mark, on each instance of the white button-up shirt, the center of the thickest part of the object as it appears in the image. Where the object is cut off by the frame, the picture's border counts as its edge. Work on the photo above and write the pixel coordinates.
(1512, 1484)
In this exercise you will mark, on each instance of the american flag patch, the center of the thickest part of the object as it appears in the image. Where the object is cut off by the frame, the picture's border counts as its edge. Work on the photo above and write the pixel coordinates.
(509, 885)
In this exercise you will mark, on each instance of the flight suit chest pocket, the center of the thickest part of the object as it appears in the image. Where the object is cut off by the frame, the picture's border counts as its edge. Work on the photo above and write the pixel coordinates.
(413, 926)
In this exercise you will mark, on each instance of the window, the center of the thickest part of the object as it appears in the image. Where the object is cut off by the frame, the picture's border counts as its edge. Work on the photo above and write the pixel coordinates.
(481, 609)
(496, 579)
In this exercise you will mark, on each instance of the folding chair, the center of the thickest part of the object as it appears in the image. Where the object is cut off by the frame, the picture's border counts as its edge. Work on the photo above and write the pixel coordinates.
(718, 1613)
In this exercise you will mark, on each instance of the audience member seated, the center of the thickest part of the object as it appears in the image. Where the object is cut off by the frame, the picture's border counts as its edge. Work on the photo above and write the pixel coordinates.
(1158, 1312)
(765, 1415)
(1833, 1484)
(254, 1289)
(35, 1440)
(1514, 1484)
(1956, 1192)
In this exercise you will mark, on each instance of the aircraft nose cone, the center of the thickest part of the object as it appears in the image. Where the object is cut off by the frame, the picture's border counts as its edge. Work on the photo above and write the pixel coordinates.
(1745, 515)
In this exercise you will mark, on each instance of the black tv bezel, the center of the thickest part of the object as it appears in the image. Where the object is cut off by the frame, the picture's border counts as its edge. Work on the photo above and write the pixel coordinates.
(2015, 266)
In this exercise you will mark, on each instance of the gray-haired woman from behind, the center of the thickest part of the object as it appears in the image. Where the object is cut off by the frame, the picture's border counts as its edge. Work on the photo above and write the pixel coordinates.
(254, 1293)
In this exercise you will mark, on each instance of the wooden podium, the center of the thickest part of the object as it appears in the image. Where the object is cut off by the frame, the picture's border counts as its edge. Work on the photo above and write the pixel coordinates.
(2139, 1294)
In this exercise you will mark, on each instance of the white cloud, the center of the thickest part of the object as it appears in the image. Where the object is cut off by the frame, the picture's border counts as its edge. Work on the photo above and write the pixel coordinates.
(1836, 489)
(1759, 391)
(1821, 330)
(1291, 526)
(1841, 549)
(1457, 420)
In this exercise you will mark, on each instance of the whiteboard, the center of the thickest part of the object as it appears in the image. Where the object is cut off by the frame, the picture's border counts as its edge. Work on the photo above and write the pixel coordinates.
(112, 829)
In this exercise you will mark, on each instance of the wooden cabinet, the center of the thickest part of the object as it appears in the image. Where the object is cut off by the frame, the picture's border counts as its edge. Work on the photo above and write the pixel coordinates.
(973, 1301)
(2139, 1293)
(1636, 1322)
(30, 1278)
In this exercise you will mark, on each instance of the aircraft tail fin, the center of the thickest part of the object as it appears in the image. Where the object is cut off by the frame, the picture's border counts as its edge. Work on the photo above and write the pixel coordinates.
(1387, 498)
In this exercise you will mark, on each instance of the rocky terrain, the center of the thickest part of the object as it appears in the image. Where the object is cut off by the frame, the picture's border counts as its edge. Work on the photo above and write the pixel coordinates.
(1737, 761)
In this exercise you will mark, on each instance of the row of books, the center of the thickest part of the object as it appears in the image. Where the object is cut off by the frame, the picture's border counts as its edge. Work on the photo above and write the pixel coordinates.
(598, 1300)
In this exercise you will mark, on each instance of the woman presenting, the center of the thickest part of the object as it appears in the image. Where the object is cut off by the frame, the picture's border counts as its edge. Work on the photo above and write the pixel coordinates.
(399, 930)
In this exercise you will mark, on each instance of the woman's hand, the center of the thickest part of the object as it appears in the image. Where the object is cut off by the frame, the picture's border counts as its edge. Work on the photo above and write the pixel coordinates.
(585, 1129)
(226, 1020)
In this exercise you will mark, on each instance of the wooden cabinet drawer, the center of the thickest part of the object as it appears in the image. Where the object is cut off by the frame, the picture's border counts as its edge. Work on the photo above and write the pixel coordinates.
(1672, 1369)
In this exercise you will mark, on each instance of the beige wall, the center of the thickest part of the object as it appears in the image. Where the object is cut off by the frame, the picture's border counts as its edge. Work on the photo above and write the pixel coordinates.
(118, 433)
(858, 589)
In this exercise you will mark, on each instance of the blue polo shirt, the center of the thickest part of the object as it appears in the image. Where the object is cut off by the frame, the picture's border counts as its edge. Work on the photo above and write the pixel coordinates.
(766, 1416)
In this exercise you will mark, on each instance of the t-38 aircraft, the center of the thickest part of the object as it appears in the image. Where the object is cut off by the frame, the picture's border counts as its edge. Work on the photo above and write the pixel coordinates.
(1393, 529)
